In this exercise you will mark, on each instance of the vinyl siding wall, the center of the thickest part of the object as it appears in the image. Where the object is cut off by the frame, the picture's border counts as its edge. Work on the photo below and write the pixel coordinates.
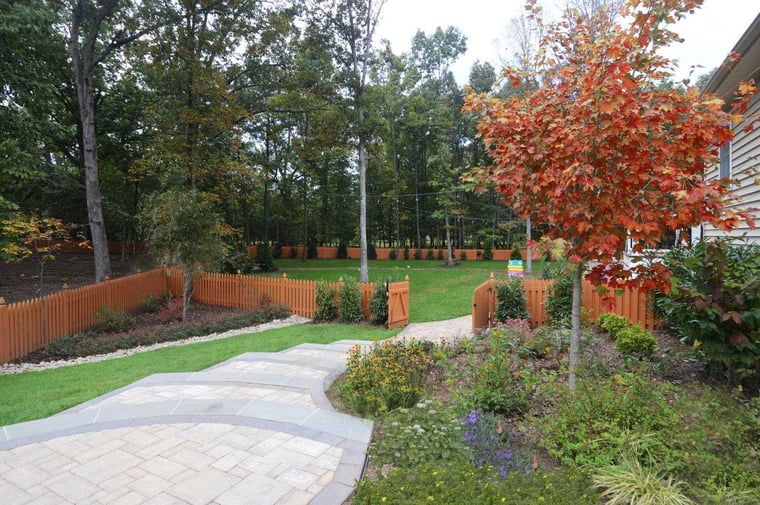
(745, 170)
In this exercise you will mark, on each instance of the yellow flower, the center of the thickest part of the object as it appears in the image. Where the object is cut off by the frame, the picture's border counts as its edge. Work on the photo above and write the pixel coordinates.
(697, 343)
(384, 499)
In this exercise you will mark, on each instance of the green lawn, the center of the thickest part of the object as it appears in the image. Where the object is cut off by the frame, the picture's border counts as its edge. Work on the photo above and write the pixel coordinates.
(437, 292)
(34, 395)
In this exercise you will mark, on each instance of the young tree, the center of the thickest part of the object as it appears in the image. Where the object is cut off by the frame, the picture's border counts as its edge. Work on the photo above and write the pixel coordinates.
(182, 229)
(598, 151)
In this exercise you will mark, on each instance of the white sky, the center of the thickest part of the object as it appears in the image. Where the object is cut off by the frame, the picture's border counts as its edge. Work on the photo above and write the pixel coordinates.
(710, 33)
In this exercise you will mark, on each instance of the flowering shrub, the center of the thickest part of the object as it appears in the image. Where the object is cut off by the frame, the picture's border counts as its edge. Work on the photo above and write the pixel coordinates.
(489, 440)
(387, 377)
(426, 432)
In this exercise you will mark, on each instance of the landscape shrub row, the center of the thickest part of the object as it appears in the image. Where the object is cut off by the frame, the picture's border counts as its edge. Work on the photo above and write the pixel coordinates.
(167, 328)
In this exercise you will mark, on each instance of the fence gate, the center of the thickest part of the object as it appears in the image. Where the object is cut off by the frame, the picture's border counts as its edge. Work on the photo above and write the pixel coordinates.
(398, 304)
(484, 304)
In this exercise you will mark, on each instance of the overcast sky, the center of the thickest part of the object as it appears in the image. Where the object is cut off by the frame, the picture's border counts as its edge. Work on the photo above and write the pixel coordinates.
(710, 33)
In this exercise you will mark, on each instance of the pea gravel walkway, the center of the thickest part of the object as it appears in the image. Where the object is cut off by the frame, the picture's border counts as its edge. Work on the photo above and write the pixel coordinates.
(256, 430)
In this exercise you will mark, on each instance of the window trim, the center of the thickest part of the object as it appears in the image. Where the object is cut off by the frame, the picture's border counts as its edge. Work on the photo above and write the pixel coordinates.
(726, 161)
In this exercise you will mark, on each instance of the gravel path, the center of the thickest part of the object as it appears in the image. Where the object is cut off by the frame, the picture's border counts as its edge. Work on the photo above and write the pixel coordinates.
(8, 368)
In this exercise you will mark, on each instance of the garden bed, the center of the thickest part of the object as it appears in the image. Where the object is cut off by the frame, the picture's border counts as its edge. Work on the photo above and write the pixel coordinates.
(495, 410)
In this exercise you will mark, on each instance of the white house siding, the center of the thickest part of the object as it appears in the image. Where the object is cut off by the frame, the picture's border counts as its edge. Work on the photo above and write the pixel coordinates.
(746, 171)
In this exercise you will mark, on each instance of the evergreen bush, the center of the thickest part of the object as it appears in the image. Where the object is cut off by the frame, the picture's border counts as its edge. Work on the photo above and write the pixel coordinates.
(488, 250)
(417, 254)
(559, 298)
(635, 340)
(378, 305)
(350, 302)
(342, 250)
(327, 307)
(510, 300)
(264, 259)
(430, 255)
(392, 254)
(312, 251)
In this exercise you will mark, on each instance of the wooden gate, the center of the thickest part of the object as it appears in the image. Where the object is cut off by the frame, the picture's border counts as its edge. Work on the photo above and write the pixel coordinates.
(398, 304)
(484, 304)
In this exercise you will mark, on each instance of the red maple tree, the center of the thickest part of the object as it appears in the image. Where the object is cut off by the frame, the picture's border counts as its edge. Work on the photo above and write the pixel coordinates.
(599, 150)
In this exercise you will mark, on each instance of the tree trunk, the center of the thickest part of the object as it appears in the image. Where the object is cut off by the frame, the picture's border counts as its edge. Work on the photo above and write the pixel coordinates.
(364, 267)
(82, 62)
(448, 242)
(575, 325)
(528, 260)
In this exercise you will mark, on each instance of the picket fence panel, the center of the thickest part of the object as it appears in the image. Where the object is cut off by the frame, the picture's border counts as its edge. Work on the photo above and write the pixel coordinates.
(32, 324)
(630, 303)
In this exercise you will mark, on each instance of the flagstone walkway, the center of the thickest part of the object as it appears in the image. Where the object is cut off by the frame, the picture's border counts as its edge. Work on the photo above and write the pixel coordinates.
(256, 429)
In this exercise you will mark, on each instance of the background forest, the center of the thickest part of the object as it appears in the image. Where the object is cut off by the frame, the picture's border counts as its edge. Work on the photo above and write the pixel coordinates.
(250, 108)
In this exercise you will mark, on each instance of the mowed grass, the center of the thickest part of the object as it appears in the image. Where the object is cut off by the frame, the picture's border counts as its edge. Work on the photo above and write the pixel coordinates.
(34, 395)
(437, 292)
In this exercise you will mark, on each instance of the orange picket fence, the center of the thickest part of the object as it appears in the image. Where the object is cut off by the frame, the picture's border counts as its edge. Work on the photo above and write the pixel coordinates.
(629, 303)
(32, 324)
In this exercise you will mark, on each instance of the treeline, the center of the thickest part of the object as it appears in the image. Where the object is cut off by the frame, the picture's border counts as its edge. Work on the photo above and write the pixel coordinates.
(249, 104)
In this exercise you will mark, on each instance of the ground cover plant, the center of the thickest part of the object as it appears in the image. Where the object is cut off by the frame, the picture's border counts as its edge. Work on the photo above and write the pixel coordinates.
(642, 427)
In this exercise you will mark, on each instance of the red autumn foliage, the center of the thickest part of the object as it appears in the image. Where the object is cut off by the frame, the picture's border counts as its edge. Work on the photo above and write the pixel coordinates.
(596, 148)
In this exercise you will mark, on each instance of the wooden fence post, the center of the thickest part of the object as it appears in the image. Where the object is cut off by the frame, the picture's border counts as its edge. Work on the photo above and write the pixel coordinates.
(283, 289)
(5, 333)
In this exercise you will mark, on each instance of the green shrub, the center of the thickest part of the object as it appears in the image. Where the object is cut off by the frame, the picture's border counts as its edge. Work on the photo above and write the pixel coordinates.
(264, 259)
(613, 323)
(430, 255)
(635, 340)
(112, 319)
(237, 259)
(418, 254)
(371, 252)
(714, 304)
(589, 425)
(151, 304)
(510, 300)
(389, 376)
(559, 298)
(439, 255)
(92, 342)
(515, 254)
(311, 250)
(488, 250)
(419, 434)
(545, 340)
(378, 305)
(342, 250)
(277, 251)
(462, 255)
(406, 252)
(458, 483)
(392, 254)
(496, 383)
(350, 302)
(293, 252)
(327, 307)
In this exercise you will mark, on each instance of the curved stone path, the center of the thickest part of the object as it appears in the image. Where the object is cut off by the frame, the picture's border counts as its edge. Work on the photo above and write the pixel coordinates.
(256, 429)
